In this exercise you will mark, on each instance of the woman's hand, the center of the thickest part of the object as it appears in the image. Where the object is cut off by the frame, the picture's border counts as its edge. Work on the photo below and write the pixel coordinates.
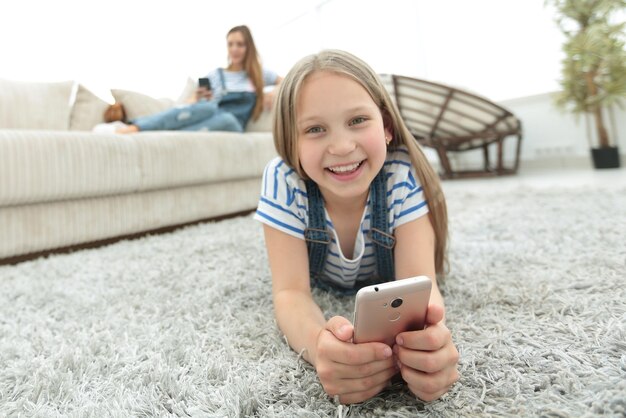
(428, 359)
(203, 93)
(353, 372)
(268, 99)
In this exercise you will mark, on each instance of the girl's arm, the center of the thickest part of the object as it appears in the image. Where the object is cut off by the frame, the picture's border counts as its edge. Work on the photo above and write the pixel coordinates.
(353, 372)
(298, 316)
(428, 359)
(414, 253)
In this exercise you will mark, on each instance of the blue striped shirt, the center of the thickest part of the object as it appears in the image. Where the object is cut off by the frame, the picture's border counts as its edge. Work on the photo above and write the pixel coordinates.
(284, 205)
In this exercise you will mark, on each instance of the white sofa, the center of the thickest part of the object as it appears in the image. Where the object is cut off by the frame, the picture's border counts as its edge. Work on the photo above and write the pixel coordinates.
(63, 186)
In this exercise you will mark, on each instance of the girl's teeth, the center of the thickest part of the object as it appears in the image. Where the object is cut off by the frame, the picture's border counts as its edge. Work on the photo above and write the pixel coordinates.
(344, 168)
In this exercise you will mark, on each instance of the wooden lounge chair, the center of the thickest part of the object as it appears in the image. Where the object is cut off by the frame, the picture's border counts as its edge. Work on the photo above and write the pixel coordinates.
(451, 120)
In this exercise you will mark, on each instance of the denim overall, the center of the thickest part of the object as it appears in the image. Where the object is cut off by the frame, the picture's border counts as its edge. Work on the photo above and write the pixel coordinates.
(317, 237)
(239, 103)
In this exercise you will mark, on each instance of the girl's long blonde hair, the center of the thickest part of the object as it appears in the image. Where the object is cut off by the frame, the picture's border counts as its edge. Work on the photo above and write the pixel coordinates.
(346, 64)
(252, 65)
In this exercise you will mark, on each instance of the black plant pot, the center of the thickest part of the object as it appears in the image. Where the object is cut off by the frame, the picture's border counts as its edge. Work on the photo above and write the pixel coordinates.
(605, 157)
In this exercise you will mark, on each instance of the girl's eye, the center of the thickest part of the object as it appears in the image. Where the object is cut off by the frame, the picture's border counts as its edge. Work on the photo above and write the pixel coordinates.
(314, 130)
(357, 120)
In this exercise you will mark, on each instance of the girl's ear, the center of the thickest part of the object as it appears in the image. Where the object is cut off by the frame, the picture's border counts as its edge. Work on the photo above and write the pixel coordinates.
(387, 123)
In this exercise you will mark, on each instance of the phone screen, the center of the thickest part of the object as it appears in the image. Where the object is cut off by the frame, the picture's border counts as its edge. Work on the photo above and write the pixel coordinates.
(204, 82)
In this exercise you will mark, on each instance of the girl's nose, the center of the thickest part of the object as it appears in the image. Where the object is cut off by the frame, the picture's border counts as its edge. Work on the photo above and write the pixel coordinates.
(342, 144)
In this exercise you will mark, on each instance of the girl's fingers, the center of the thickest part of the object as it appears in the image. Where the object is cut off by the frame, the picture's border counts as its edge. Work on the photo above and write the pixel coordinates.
(435, 314)
(340, 327)
(429, 386)
(428, 361)
(357, 397)
(362, 388)
(430, 339)
(345, 371)
(337, 351)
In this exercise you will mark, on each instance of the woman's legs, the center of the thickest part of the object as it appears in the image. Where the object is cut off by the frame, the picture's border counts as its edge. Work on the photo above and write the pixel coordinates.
(220, 121)
(177, 118)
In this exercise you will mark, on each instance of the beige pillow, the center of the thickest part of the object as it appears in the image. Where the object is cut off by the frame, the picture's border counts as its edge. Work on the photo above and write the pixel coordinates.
(26, 105)
(266, 119)
(138, 104)
(189, 90)
(88, 110)
(262, 124)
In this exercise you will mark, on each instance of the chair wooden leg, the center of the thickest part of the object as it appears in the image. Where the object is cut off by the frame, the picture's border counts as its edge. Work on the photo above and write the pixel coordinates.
(500, 167)
(486, 157)
(517, 152)
(445, 162)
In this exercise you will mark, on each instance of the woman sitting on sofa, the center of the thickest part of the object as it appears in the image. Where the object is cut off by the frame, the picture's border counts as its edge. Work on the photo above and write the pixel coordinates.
(233, 95)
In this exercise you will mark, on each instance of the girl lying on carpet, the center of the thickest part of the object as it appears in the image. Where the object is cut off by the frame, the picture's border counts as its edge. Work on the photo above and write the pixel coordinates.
(339, 135)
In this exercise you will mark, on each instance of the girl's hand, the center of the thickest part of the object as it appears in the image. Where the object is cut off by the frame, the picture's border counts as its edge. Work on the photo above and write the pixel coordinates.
(353, 372)
(428, 359)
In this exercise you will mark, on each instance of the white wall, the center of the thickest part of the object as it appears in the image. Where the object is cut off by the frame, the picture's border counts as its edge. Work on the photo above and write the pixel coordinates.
(561, 138)
(551, 138)
(506, 50)
(150, 46)
(499, 48)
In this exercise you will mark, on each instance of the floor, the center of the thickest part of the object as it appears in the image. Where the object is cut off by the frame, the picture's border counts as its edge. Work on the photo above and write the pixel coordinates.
(545, 177)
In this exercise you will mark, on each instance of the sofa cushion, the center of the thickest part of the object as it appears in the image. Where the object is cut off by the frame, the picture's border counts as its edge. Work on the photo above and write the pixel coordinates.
(175, 158)
(42, 166)
(45, 166)
(87, 111)
(26, 105)
(139, 104)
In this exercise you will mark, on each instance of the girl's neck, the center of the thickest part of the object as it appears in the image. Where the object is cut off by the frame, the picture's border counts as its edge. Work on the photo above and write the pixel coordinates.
(346, 216)
(340, 207)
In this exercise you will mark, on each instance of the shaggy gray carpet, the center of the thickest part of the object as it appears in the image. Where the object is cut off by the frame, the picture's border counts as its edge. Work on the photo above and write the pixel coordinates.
(181, 324)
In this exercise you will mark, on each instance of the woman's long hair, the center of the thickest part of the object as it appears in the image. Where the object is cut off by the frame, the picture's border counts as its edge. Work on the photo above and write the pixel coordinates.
(346, 64)
(252, 66)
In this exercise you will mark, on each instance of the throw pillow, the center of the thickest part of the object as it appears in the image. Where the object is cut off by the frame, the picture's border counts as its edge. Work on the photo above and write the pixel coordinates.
(26, 105)
(265, 121)
(88, 110)
(262, 124)
(188, 90)
(138, 104)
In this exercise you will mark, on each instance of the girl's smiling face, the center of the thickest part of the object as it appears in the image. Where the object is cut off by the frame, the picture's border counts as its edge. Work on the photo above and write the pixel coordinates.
(341, 136)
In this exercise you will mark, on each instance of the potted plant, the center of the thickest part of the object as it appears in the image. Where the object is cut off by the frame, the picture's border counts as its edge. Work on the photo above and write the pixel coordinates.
(594, 68)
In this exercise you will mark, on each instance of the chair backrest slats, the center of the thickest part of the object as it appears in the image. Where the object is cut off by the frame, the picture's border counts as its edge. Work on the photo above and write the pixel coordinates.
(433, 110)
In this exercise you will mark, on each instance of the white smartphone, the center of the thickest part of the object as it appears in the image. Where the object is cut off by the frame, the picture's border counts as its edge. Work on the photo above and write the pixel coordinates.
(384, 310)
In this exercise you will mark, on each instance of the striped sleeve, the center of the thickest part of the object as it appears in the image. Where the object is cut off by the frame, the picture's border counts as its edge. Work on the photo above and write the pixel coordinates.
(283, 201)
(405, 194)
